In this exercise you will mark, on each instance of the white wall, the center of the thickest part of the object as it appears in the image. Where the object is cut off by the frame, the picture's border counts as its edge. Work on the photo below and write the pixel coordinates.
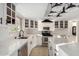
(6, 30)
(39, 25)
(1, 10)
(77, 32)
(71, 24)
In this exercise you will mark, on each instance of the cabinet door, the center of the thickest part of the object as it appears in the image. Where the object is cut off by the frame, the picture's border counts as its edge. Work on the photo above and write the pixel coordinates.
(61, 24)
(66, 24)
(31, 23)
(56, 24)
(26, 23)
(36, 24)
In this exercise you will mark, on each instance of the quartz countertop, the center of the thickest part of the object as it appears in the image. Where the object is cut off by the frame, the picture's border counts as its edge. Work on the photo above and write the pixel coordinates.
(60, 40)
(70, 49)
(8, 46)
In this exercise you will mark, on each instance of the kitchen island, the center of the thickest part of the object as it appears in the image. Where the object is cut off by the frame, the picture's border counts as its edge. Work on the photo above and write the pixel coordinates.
(71, 49)
(8, 46)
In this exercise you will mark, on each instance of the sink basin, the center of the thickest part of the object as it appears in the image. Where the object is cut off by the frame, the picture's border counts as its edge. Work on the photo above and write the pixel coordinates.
(22, 38)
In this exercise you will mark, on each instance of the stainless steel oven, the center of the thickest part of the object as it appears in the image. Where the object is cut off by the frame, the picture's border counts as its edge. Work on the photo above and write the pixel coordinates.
(45, 41)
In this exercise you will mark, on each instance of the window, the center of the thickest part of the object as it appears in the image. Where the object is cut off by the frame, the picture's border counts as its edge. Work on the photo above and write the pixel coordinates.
(56, 24)
(10, 13)
(9, 5)
(36, 24)
(13, 21)
(8, 19)
(26, 23)
(13, 14)
(31, 24)
(13, 7)
(61, 24)
(66, 24)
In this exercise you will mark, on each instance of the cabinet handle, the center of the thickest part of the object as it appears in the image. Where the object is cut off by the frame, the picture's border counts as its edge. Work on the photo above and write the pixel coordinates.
(31, 42)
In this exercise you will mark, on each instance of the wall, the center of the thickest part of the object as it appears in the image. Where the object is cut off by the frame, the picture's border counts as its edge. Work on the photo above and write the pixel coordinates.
(18, 23)
(70, 36)
(3, 32)
(7, 31)
(77, 40)
(1, 10)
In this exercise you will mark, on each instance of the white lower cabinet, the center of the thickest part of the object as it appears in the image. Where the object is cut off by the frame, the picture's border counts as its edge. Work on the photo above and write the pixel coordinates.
(51, 49)
(39, 40)
(32, 42)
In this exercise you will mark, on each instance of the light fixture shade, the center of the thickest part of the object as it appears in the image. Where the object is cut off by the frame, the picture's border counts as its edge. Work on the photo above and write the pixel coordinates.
(47, 20)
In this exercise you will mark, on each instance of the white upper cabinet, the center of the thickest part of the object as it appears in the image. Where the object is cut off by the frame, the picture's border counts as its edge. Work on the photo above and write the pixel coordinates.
(31, 23)
(61, 24)
(26, 23)
(36, 24)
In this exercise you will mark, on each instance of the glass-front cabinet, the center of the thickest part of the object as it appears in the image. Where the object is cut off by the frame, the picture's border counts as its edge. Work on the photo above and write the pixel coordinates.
(61, 24)
(66, 24)
(26, 23)
(56, 24)
(36, 24)
(31, 23)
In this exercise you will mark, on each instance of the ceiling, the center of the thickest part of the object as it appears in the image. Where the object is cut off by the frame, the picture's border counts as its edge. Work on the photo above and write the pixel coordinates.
(32, 10)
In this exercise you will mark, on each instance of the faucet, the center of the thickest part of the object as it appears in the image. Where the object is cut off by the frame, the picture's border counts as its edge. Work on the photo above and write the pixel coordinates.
(21, 33)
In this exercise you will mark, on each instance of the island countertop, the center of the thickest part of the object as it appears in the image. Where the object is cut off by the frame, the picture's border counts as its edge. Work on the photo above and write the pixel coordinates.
(70, 49)
(8, 46)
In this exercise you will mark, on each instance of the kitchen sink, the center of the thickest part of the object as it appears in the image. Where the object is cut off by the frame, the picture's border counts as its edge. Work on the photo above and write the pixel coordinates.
(21, 38)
